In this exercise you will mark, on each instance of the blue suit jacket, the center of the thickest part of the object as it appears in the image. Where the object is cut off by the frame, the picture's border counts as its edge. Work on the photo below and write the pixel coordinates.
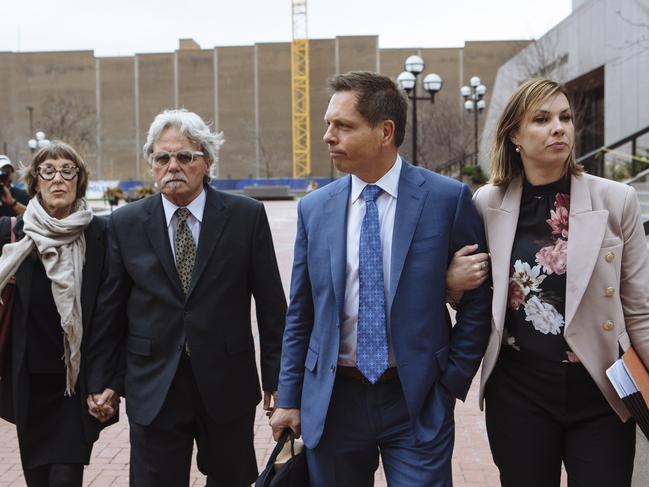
(434, 217)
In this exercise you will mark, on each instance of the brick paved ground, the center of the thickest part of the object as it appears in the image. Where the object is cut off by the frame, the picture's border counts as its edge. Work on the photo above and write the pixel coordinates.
(472, 464)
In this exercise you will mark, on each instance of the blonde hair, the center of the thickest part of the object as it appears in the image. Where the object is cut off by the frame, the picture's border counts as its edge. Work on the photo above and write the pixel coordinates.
(506, 163)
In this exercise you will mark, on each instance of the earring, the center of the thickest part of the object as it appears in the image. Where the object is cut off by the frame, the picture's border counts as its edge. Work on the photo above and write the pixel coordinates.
(518, 148)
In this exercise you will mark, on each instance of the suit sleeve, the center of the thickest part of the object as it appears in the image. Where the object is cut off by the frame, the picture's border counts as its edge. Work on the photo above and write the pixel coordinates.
(106, 349)
(634, 278)
(270, 301)
(470, 334)
(299, 323)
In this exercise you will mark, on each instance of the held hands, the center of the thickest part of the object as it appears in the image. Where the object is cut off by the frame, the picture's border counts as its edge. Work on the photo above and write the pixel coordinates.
(285, 418)
(103, 406)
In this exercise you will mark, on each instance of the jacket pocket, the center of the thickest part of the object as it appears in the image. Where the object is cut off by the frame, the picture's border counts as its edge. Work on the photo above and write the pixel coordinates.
(138, 345)
(311, 360)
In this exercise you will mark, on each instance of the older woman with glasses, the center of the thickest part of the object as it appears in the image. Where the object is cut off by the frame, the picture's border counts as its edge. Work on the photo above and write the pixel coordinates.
(56, 261)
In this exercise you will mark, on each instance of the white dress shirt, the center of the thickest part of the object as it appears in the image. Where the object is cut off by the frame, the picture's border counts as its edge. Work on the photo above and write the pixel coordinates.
(386, 204)
(196, 208)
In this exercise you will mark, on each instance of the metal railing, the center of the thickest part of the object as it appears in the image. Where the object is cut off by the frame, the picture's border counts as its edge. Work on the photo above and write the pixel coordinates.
(593, 161)
(454, 167)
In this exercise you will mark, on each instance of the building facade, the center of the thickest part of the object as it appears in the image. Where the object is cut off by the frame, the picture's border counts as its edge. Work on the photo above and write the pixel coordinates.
(601, 53)
(104, 105)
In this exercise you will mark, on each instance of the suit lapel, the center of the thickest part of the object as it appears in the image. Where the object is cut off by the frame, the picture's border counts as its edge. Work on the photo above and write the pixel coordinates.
(336, 228)
(156, 229)
(586, 231)
(212, 226)
(410, 201)
(501, 225)
(94, 260)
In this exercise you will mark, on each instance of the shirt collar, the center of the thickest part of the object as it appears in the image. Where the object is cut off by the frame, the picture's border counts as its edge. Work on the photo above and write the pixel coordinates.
(196, 207)
(389, 183)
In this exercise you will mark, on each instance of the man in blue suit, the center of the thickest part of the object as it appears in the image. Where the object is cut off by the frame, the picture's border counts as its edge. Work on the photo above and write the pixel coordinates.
(370, 361)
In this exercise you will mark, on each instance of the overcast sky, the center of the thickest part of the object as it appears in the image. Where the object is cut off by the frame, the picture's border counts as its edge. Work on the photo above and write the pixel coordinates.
(125, 27)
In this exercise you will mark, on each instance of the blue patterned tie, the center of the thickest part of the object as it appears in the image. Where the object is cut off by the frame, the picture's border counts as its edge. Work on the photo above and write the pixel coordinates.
(371, 333)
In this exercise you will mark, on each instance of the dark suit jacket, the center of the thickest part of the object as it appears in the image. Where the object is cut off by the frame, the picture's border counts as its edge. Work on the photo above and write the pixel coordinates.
(434, 217)
(14, 387)
(142, 307)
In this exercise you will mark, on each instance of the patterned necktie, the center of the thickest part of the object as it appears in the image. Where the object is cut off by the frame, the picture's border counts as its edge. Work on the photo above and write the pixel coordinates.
(185, 249)
(371, 333)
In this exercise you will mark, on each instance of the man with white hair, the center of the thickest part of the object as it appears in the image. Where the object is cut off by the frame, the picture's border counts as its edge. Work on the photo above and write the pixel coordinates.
(183, 266)
(13, 201)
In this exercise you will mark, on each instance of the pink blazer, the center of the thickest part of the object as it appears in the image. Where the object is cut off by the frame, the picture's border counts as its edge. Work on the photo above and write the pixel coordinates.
(607, 287)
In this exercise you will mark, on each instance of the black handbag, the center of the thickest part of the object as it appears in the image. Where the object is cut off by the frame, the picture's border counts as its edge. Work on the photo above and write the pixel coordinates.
(293, 473)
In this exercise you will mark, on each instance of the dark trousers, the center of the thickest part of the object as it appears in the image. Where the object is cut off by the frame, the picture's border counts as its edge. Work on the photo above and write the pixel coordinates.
(367, 420)
(161, 452)
(55, 475)
(540, 414)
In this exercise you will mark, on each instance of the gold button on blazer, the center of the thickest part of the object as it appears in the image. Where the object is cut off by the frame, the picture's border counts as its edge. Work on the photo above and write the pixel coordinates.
(607, 250)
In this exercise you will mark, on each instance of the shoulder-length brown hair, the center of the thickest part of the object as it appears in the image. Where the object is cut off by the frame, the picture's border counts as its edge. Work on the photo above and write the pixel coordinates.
(506, 163)
(55, 151)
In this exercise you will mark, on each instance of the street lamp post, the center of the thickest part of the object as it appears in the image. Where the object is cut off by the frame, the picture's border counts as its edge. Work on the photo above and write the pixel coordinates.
(30, 110)
(408, 82)
(38, 142)
(474, 102)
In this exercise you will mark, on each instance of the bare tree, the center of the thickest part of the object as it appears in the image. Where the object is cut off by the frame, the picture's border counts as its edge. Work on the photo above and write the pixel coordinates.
(71, 120)
(542, 59)
(440, 135)
(266, 158)
(641, 40)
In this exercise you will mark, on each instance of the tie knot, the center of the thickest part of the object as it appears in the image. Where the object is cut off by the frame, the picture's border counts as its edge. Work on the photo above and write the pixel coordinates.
(182, 214)
(371, 192)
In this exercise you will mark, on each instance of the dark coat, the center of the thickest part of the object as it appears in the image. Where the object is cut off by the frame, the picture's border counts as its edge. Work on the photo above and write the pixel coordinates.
(142, 307)
(14, 386)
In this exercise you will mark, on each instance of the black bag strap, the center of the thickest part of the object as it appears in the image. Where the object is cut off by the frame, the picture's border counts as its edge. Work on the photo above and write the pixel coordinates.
(287, 435)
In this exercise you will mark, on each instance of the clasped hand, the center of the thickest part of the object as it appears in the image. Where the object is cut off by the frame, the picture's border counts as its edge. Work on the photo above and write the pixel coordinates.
(103, 406)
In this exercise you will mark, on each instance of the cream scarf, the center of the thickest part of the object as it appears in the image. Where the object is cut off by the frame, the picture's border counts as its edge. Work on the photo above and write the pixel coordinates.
(61, 246)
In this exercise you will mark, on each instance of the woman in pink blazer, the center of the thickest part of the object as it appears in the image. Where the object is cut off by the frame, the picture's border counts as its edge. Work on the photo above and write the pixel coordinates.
(570, 272)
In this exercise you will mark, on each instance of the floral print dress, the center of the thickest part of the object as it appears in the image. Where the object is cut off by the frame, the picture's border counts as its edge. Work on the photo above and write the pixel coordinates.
(534, 322)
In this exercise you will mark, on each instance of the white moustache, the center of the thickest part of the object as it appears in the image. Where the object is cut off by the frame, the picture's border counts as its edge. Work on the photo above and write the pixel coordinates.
(172, 178)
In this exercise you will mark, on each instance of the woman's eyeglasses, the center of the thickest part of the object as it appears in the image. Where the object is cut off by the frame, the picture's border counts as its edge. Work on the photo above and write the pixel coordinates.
(49, 172)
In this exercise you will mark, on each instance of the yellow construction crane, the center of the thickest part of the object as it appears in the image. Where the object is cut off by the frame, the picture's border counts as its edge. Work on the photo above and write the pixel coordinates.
(300, 112)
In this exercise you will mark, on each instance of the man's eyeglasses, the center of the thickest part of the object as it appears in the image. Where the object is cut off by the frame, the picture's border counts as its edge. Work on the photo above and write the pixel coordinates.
(183, 157)
(49, 172)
